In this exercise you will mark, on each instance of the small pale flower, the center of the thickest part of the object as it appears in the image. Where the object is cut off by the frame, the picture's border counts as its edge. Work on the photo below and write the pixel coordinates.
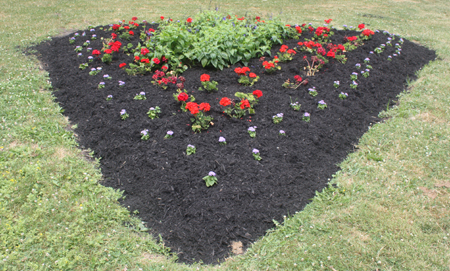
(170, 133)
(121, 83)
(142, 93)
(123, 112)
(306, 114)
(255, 151)
(222, 139)
(99, 68)
(212, 173)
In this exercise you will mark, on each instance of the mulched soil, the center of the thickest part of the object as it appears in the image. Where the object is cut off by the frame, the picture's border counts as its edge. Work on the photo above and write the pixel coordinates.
(165, 185)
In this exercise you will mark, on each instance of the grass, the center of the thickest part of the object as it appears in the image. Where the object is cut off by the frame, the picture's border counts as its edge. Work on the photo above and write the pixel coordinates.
(390, 210)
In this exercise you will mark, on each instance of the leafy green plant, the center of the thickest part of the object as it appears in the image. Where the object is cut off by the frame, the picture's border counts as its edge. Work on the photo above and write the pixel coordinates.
(211, 179)
(214, 39)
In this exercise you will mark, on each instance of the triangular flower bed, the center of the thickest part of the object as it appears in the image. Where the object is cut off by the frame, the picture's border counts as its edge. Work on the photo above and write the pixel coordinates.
(166, 186)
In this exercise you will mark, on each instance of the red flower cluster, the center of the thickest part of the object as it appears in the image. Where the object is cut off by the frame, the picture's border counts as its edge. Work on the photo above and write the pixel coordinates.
(283, 48)
(245, 104)
(258, 93)
(310, 44)
(182, 97)
(96, 52)
(328, 21)
(122, 65)
(204, 77)
(311, 29)
(134, 18)
(195, 108)
(367, 32)
(189, 20)
(252, 75)
(361, 26)
(145, 60)
(299, 30)
(298, 78)
(268, 65)
(144, 51)
(352, 38)
(225, 101)
(115, 46)
(108, 51)
(131, 33)
(115, 26)
(158, 74)
(321, 29)
(156, 60)
(113, 36)
(242, 71)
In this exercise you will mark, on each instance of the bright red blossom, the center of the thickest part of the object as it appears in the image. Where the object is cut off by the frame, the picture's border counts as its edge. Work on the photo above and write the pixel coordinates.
(122, 65)
(252, 75)
(299, 30)
(205, 107)
(144, 51)
(162, 17)
(204, 77)
(182, 97)
(283, 48)
(244, 104)
(96, 52)
(361, 26)
(108, 51)
(156, 60)
(131, 33)
(189, 20)
(113, 36)
(258, 93)
(298, 78)
(134, 18)
(225, 101)
(137, 58)
(367, 32)
(328, 21)
(192, 107)
(331, 54)
(145, 60)
(126, 27)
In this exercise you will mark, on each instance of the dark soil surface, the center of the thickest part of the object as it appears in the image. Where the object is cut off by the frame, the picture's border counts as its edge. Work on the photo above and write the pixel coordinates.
(165, 185)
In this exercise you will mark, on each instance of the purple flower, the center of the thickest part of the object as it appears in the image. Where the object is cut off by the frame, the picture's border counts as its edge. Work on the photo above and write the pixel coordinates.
(358, 65)
(170, 133)
(91, 57)
(94, 36)
(80, 54)
(306, 114)
(322, 102)
(101, 83)
(222, 139)
(280, 115)
(281, 132)
(92, 30)
(121, 83)
(123, 112)
(191, 146)
(109, 97)
(142, 93)
(99, 68)
(72, 38)
(76, 34)
(144, 132)
(252, 128)
(88, 41)
(336, 82)
(354, 83)
(371, 52)
(354, 73)
(212, 173)
(93, 69)
(255, 151)
(344, 93)
(105, 76)
(367, 59)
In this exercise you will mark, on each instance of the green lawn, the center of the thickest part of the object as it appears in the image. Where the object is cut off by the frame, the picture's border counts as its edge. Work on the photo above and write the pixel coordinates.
(390, 211)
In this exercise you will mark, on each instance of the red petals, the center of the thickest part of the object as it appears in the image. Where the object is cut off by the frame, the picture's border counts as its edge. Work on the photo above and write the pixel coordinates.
(204, 77)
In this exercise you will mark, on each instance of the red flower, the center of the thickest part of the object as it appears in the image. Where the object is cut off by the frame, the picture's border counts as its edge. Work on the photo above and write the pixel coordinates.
(131, 33)
(205, 107)
(341, 47)
(245, 69)
(151, 30)
(204, 77)
(258, 93)
(164, 59)
(145, 60)
(193, 107)
(283, 48)
(292, 52)
(258, 18)
(136, 24)
(361, 26)
(113, 36)
(122, 65)
(116, 26)
(299, 30)
(225, 101)
(144, 51)
(244, 104)
(328, 21)
(252, 75)
(182, 97)
(300, 43)
(96, 53)
(137, 58)
(311, 29)
(108, 51)
(352, 38)
(156, 60)
(134, 18)
(162, 17)
(298, 78)
(331, 54)
(116, 46)
(165, 67)
(126, 27)
(288, 25)
(319, 32)
(367, 32)
(189, 20)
